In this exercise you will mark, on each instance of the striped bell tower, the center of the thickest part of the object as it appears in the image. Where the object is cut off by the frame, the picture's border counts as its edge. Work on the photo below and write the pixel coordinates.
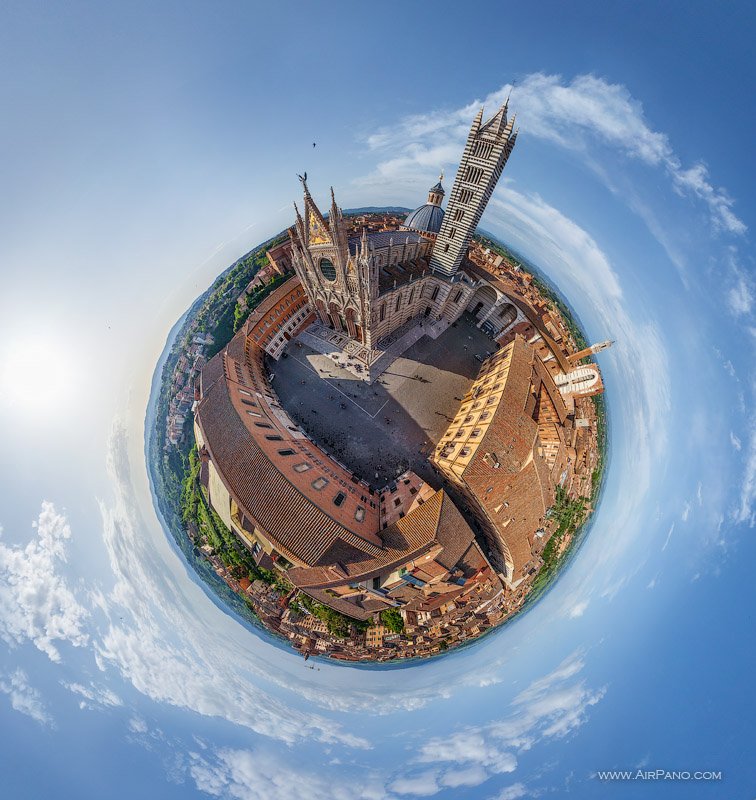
(486, 152)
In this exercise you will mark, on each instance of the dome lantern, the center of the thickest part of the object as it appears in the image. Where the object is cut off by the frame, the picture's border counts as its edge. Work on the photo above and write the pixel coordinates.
(428, 218)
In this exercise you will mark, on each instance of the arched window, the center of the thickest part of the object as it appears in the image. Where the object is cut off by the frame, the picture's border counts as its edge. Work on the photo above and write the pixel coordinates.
(327, 270)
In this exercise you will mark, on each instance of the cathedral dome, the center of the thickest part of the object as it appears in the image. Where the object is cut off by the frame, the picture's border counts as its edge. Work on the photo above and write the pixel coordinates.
(426, 218)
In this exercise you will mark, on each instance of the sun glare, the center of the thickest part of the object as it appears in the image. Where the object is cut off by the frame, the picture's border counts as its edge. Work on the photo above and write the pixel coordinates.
(38, 377)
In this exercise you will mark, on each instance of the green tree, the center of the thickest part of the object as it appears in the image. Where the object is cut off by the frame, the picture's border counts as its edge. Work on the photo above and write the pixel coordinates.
(391, 618)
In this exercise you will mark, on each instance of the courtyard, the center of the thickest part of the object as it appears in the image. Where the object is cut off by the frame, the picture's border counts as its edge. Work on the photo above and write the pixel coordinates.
(378, 431)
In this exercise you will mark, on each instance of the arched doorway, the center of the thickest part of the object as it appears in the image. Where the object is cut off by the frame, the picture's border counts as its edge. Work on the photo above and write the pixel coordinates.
(338, 323)
(351, 324)
(505, 316)
(320, 307)
(482, 301)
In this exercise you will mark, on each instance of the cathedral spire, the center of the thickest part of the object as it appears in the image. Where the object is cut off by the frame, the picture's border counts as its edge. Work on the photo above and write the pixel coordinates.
(334, 213)
(477, 121)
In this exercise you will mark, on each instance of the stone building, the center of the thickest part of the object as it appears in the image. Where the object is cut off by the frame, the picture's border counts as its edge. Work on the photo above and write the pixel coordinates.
(370, 286)
(488, 147)
(347, 545)
(298, 509)
(506, 450)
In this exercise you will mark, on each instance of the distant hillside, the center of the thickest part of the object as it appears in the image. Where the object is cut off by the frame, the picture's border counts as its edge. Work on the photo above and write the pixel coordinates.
(378, 210)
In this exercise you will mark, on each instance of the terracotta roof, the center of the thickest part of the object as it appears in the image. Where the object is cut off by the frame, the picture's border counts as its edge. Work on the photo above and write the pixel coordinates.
(278, 294)
(361, 608)
(522, 479)
(507, 288)
(211, 372)
(301, 529)
(436, 523)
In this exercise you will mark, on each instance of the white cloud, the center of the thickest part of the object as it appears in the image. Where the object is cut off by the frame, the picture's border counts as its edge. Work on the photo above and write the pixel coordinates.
(745, 509)
(418, 784)
(36, 603)
(251, 774)
(740, 296)
(735, 441)
(550, 707)
(577, 115)
(578, 609)
(669, 536)
(137, 725)
(157, 641)
(559, 239)
(571, 257)
(95, 694)
(24, 698)
(513, 792)
(469, 776)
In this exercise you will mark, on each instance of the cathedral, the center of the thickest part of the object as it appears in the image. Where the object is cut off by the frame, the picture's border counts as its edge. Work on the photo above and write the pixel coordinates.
(373, 287)
(361, 298)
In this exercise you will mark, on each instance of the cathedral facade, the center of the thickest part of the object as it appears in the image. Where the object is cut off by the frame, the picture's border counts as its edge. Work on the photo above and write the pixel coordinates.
(370, 286)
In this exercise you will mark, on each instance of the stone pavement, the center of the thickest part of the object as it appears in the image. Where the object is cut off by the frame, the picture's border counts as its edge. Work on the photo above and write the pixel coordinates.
(381, 429)
(362, 362)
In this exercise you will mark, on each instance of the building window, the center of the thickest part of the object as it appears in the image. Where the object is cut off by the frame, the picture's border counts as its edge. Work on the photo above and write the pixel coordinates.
(253, 414)
(286, 452)
(339, 499)
(465, 196)
(359, 514)
(446, 247)
(458, 215)
(383, 312)
(458, 296)
(262, 425)
(435, 293)
(465, 451)
(452, 233)
(319, 483)
(303, 467)
(398, 303)
(274, 438)
(412, 294)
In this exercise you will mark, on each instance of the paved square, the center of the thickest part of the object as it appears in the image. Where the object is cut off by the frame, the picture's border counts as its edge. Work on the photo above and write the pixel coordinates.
(380, 430)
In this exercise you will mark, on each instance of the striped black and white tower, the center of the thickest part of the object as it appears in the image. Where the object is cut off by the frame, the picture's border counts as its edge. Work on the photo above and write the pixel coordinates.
(486, 152)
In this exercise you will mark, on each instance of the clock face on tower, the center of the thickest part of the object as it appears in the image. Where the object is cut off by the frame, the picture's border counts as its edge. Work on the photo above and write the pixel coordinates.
(327, 270)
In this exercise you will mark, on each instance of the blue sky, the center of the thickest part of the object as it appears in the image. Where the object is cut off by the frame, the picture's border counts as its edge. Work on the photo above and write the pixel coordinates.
(144, 149)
